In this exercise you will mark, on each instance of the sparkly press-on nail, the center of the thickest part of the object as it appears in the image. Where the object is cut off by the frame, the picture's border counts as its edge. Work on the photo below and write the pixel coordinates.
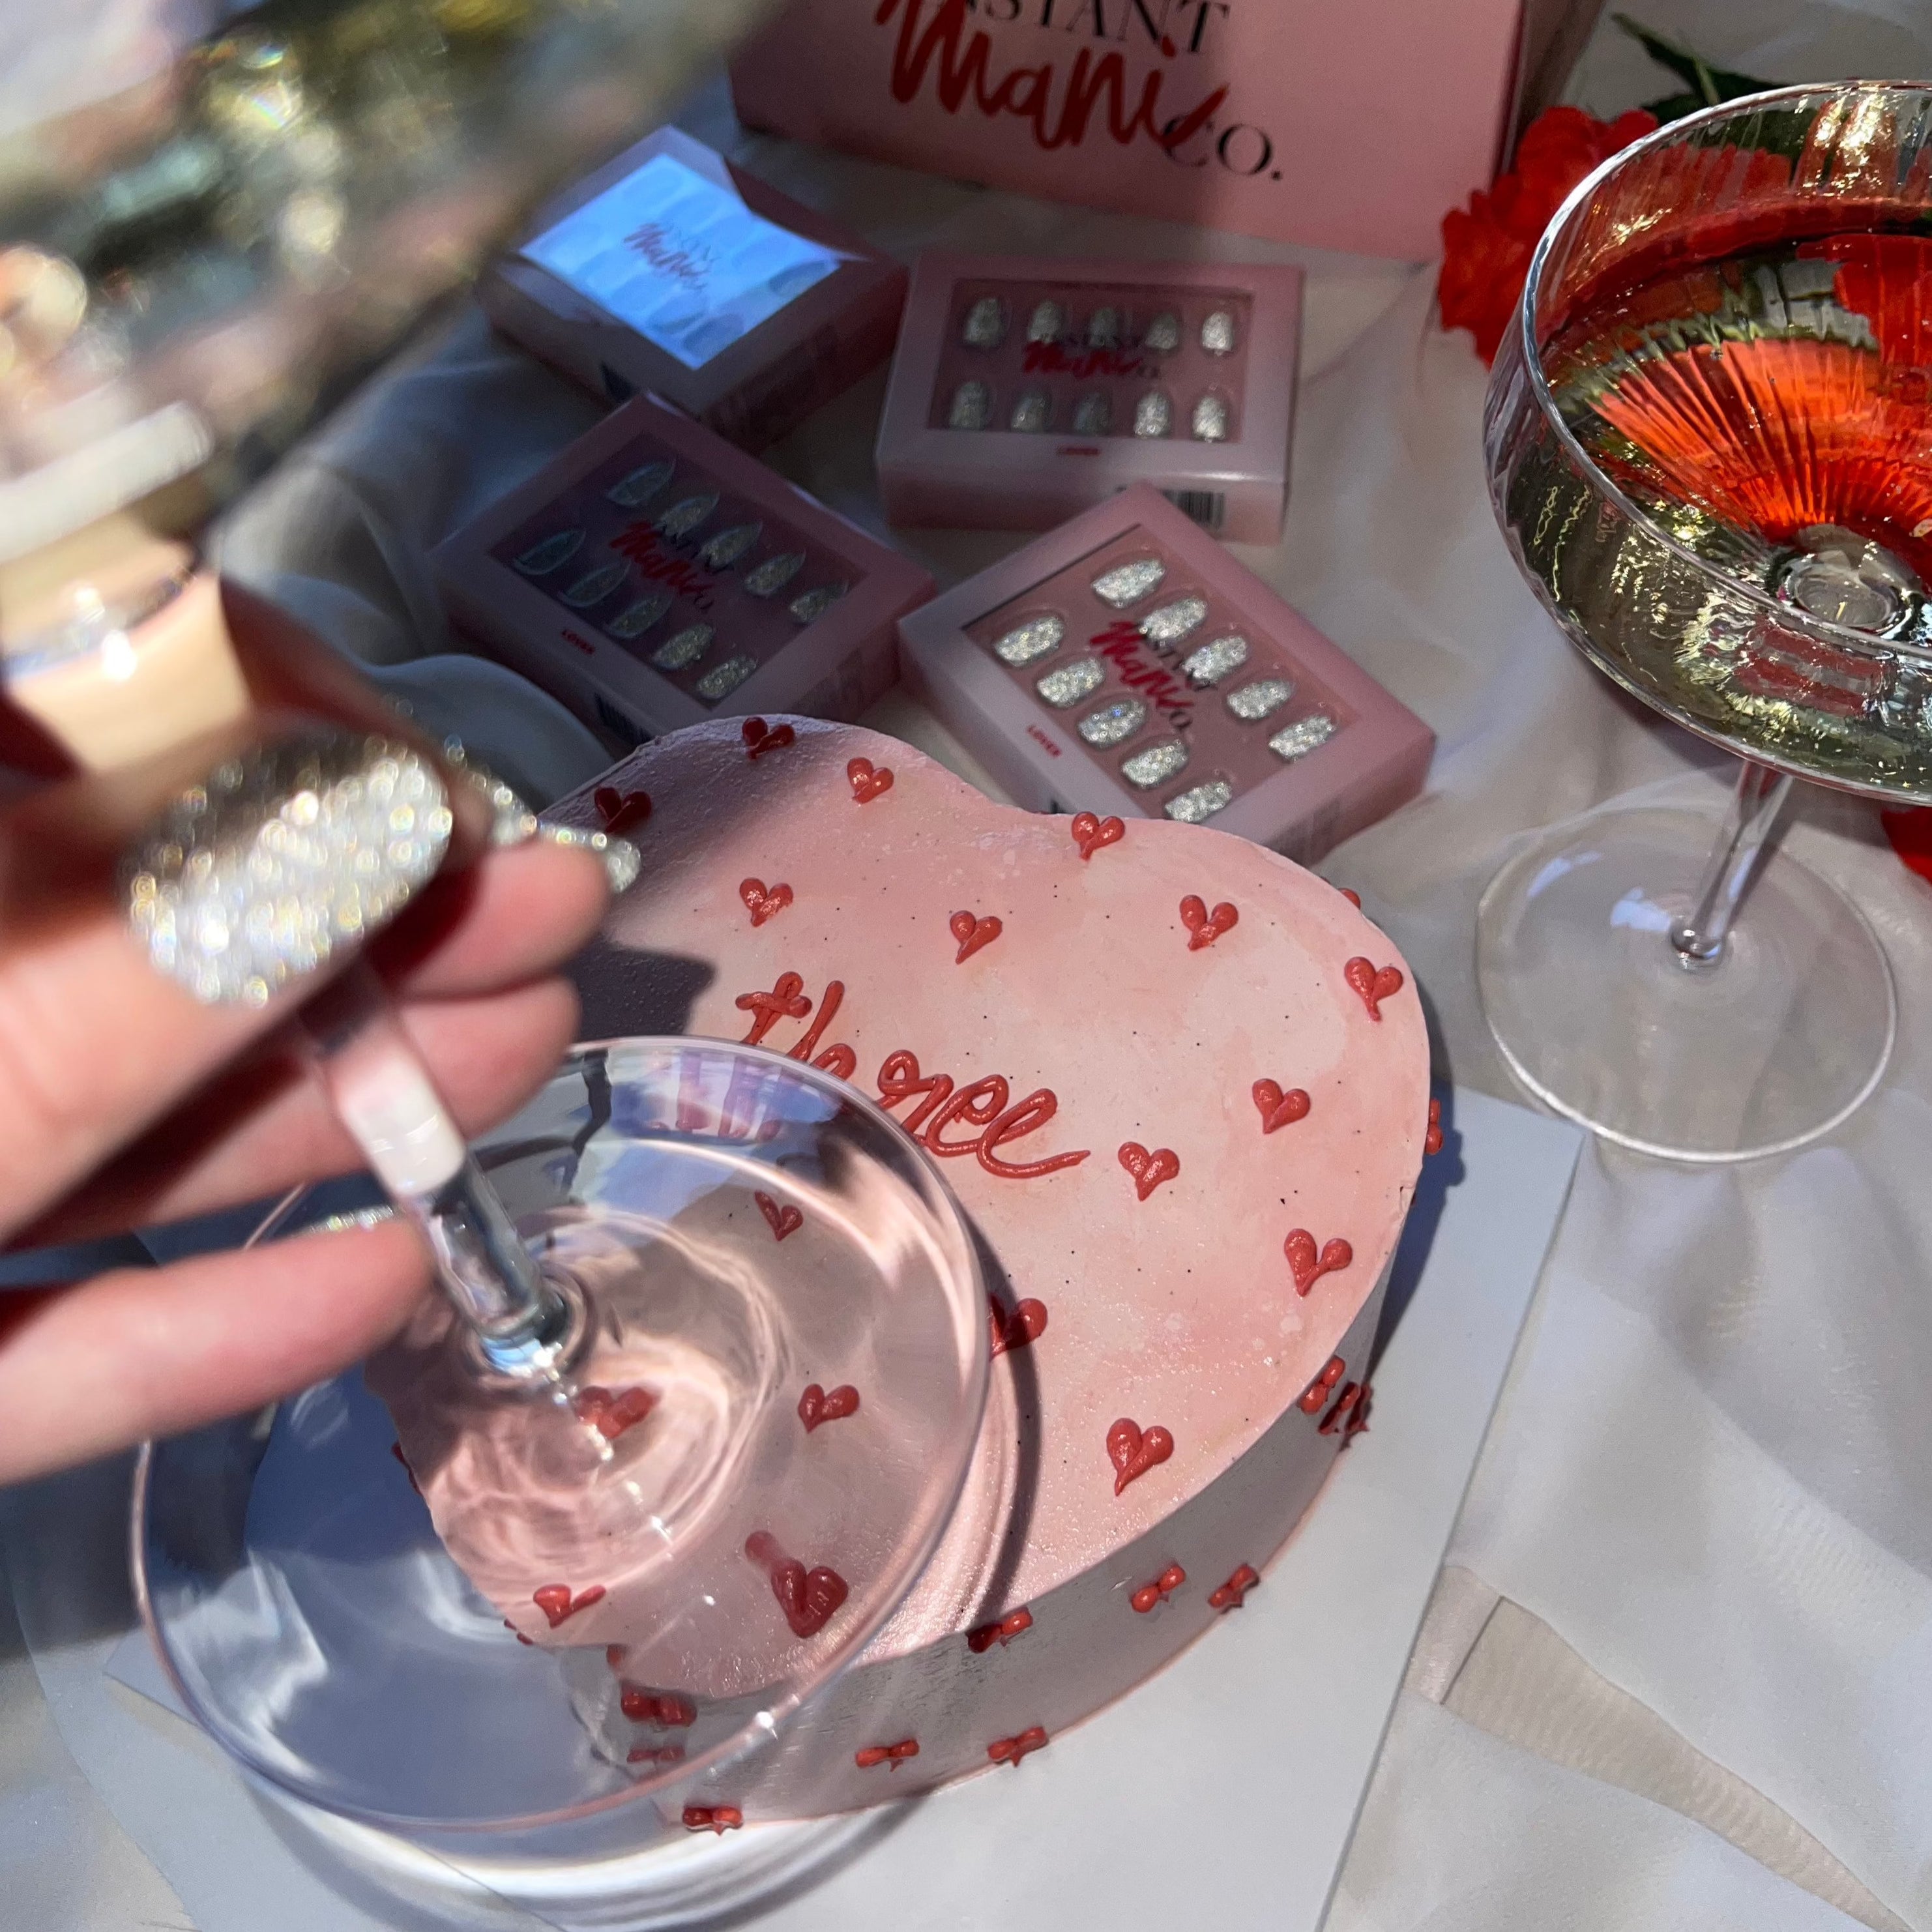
(971, 406)
(728, 546)
(637, 489)
(685, 515)
(1297, 740)
(1153, 414)
(1128, 583)
(1032, 412)
(684, 648)
(635, 618)
(1093, 414)
(1069, 683)
(1201, 802)
(540, 560)
(767, 579)
(808, 606)
(1113, 724)
(281, 858)
(512, 821)
(1214, 659)
(622, 860)
(1217, 333)
(593, 587)
(1260, 699)
(1026, 643)
(985, 324)
(1163, 334)
(1165, 627)
(1156, 765)
(1210, 420)
(1047, 323)
(1103, 328)
(721, 679)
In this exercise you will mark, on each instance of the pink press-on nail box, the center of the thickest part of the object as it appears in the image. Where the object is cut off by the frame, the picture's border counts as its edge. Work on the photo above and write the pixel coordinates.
(673, 271)
(653, 576)
(1024, 389)
(1126, 666)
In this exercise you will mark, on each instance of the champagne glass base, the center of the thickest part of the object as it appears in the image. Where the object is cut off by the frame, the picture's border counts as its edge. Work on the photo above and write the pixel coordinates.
(1777, 1043)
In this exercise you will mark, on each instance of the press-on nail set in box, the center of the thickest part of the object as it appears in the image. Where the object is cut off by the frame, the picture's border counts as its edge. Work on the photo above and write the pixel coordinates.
(1126, 665)
(673, 271)
(1025, 389)
(653, 576)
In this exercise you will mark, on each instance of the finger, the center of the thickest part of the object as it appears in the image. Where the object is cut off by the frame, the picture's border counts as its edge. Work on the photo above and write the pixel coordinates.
(96, 1045)
(264, 1125)
(142, 1352)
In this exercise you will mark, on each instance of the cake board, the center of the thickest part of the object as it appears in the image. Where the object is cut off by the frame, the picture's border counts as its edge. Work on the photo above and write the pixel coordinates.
(1223, 1791)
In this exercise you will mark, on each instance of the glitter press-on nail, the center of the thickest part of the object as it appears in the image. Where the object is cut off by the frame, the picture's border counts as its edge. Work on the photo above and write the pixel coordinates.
(1156, 765)
(985, 324)
(512, 821)
(767, 578)
(622, 862)
(679, 651)
(728, 546)
(593, 587)
(1166, 627)
(1217, 332)
(1093, 414)
(1047, 323)
(1103, 328)
(971, 406)
(1033, 413)
(637, 617)
(282, 858)
(1212, 661)
(1128, 583)
(1210, 420)
(1153, 414)
(1162, 335)
(1113, 724)
(1201, 802)
(684, 516)
(1067, 684)
(721, 679)
(808, 606)
(1265, 696)
(540, 558)
(637, 489)
(1297, 740)
(1026, 643)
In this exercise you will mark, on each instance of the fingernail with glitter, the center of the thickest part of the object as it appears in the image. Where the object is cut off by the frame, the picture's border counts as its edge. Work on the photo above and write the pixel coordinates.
(633, 491)
(1103, 328)
(971, 406)
(593, 587)
(1210, 419)
(768, 578)
(728, 546)
(512, 821)
(1153, 414)
(540, 558)
(685, 515)
(622, 860)
(1093, 414)
(985, 324)
(1047, 323)
(282, 858)
(1162, 335)
(1217, 333)
(1032, 412)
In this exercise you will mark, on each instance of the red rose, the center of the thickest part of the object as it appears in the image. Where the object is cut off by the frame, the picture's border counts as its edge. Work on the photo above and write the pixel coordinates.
(1486, 249)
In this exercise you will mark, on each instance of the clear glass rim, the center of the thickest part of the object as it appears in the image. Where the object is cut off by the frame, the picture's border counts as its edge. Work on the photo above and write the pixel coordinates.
(979, 1370)
(1670, 134)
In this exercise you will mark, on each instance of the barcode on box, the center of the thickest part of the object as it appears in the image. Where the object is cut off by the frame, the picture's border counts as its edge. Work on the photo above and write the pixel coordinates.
(614, 722)
(1208, 508)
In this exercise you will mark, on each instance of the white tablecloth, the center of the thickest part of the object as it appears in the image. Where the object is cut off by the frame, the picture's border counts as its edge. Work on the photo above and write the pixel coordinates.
(1681, 1674)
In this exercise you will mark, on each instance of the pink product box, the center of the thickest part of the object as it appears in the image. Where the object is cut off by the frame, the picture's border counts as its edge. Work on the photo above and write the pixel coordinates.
(653, 576)
(1354, 126)
(1024, 389)
(673, 271)
(1126, 666)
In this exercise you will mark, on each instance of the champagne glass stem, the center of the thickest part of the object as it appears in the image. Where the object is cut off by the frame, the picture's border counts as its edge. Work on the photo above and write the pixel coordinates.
(1700, 938)
(522, 1322)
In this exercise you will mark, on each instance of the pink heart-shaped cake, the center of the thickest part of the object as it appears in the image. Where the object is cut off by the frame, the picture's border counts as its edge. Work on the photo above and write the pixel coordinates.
(1119, 1001)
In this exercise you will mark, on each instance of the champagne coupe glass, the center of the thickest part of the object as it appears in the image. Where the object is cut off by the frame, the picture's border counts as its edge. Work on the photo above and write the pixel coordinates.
(740, 1227)
(1708, 438)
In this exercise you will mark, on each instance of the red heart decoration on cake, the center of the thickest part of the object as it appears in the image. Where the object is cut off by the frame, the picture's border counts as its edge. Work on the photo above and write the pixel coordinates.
(1306, 1265)
(782, 1221)
(1149, 1170)
(557, 1602)
(1090, 833)
(972, 934)
(1374, 984)
(718, 1818)
(1204, 927)
(1133, 1452)
(808, 1597)
(611, 1414)
(1432, 1139)
(1279, 1109)
(867, 779)
(760, 737)
(762, 901)
(815, 1406)
(1010, 1750)
(621, 811)
(1230, 1595)
(1020, 1329)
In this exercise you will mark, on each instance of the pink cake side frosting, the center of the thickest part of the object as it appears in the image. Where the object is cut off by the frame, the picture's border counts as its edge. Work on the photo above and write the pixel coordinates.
(1152, 997)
